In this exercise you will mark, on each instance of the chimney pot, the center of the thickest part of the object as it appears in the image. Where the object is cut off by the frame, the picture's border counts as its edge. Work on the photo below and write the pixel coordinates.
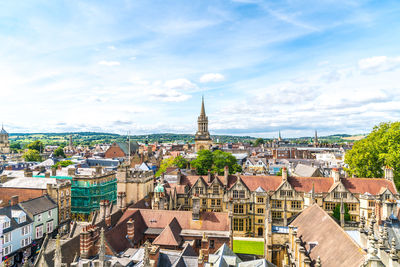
(14, 200)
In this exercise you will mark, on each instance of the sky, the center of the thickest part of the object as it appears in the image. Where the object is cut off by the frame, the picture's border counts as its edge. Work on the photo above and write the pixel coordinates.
(143, 66)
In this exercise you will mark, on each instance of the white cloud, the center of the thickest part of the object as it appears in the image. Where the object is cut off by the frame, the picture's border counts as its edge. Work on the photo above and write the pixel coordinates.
(111, 47)
(180, 84)
(373, 65)
(168, 95)
(212, 77)
(109, 63)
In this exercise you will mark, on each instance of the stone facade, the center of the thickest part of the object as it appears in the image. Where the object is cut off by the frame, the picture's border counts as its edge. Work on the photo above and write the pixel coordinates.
(4, 142)
(202, 138)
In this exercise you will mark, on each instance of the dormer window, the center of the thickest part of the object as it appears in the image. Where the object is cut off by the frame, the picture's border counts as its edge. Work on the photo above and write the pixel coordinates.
(6, 224)
(22, 219)
(387, 196)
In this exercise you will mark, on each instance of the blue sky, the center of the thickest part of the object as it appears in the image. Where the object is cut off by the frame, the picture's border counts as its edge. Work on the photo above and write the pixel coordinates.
(142, 66)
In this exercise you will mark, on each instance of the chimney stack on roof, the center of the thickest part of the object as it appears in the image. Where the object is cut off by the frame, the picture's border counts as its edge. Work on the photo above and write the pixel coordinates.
(47, 174)
(284, 174)
(209, 176)
(130, 229)
(226, 176)
(14, 200)
(389, 173)
(335, 175)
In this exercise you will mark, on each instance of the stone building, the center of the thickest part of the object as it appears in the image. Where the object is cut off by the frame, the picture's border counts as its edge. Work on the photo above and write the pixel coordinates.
(135, 184)
(247, 196)
(202, 139)
(4, 142)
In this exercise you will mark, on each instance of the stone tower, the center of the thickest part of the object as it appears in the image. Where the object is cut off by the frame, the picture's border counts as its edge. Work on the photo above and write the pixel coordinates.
(4, 143)
(316, 142)
(202, 139)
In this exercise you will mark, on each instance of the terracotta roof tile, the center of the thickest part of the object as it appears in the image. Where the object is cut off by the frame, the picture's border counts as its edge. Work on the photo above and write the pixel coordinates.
(370, 185)
(335, 247)
(170, 235)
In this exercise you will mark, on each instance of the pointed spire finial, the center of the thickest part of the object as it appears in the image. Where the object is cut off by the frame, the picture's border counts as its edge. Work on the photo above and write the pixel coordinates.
(203, 110)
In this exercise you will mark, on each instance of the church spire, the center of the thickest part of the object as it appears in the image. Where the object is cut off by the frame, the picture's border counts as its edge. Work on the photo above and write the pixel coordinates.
(203, 111)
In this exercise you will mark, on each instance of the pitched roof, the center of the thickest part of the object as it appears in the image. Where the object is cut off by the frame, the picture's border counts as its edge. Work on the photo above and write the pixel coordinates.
(125, 148)
(170, 235)
(370, 185)
(265, 182)
(38, 205)
(305, 170)
(334, 246)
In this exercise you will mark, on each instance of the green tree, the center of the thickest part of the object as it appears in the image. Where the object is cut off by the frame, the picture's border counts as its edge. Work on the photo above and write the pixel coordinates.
(15, 146)
(336, 212)
(380, 148)
(258, 142)
(279, 173)
(215, 161)
(180, 162)
(36, 145)
(63, 163)
(165, 163)
(59, 152)
(32, 155)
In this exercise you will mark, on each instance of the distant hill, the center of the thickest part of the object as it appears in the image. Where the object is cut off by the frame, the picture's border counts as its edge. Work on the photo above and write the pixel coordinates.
(92, 138)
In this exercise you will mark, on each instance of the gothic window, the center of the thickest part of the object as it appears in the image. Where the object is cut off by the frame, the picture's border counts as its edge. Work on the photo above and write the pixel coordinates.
(235, 194)
(277, 204)
(296, 204)
(199, 190)
(330, 206)
(238, 224)
(215, 190)
(260, 211)
(336, 195)
(241, 194)
(211, 245)
(260, 200)
(276, 215)
(344, 195)
(186, 201)
(260, 221)
(212, 202)
(218, 202)
(238, 208)
(204, 201)
(352, 206)
(371, 203)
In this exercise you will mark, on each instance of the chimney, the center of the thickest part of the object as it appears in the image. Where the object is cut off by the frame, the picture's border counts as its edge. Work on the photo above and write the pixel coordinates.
(341, 213)
(71, 171)
(53, 171)
(98, 170)
(108, 213)
(335, 175)
(47, 175)
(209, 177)
(14, 200)
(196, 208)
(284, 174)
(84, 243)
(226, 176)
(389, 173)
(121, 200)
(178, 177)
(102, 209)
(130, 229)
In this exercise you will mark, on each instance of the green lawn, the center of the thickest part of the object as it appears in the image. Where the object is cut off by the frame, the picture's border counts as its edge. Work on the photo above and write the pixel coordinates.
(248, 247)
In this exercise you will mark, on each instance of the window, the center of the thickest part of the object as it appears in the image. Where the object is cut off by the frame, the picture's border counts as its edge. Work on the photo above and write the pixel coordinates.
(218, 202)
(39, 217)
(215, 190)
(199, 190)
(353, 218)
(260, 211)
(260, 200)
(276, 215)
(49, 227)
(186, 201)
(22, 219)
(238, 208)
(212, 202)
(330, 206)
(211, 245)
(286, 193)
(39, 231)
(344, 195)
(296, 205)
(371, 203)
(235, 194)
(237, 224)
(198, 243)
(387, 196)
(7, 250)
(25, 230)
(260, 221)
(6, 224)
(204, 202)
(49, 213)
(7, 237)
(242, 194)
(352, 206)
(25, 242)
(249, 224)
(276, 204)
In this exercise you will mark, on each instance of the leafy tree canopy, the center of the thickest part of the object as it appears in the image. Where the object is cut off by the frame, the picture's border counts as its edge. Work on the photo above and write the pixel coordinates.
(380, 148)
(179, 162)
(36, 145)
(59, 152)
(215, 161)
(15, 146)
(64, 163)
(32, 155)
(336, 212)
(259, 141)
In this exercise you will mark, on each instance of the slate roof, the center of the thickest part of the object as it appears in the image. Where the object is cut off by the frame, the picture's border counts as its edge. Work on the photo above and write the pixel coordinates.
(13, 223)
(124, 146)
(334, 246)
(38, 205)
(305, 170)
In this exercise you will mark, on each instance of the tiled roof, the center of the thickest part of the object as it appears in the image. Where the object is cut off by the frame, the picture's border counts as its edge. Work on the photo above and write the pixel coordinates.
(265, 182)
(170, 235)
(371, 185)
(334, 246)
